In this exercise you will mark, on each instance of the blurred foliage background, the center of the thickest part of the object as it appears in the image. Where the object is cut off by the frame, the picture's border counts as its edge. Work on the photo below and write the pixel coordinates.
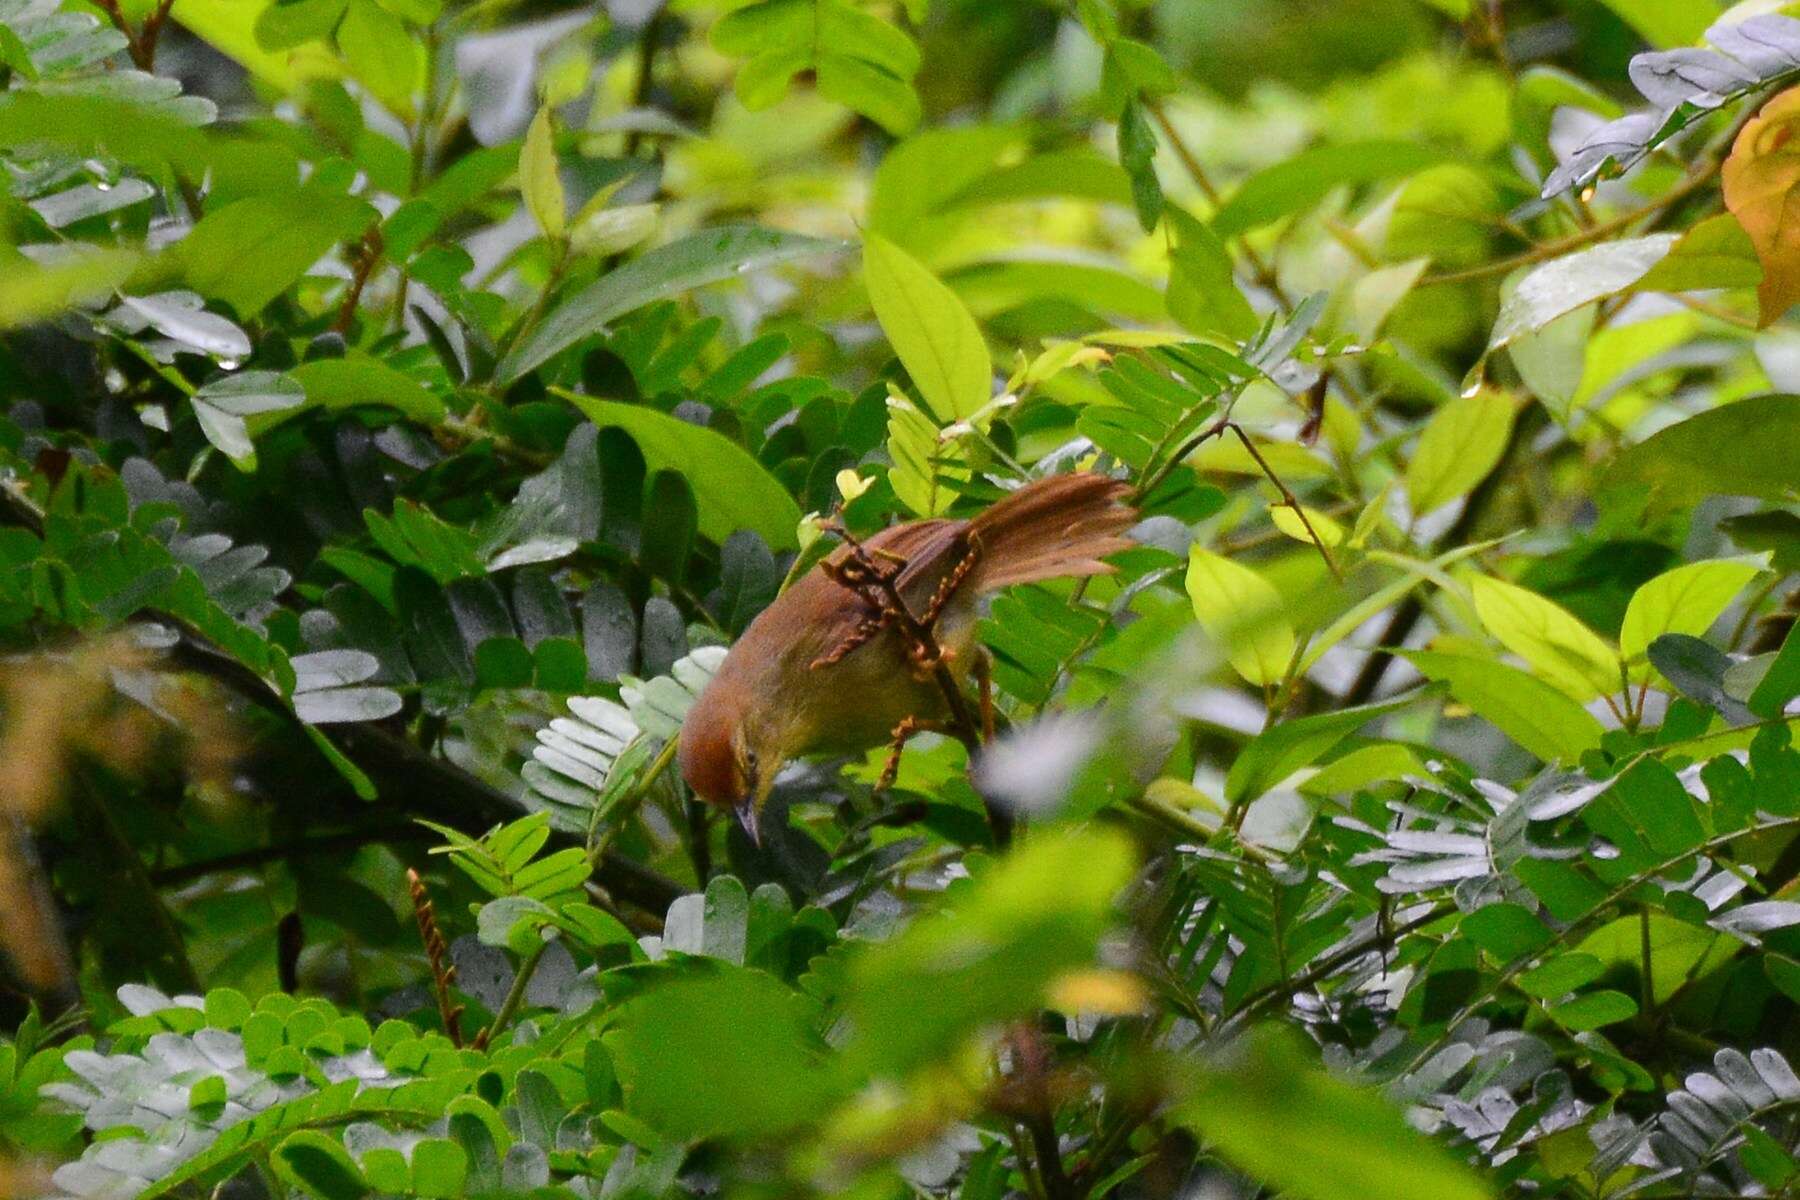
(404, 404)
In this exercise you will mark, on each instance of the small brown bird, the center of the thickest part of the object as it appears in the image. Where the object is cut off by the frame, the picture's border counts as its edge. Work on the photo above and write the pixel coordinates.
(823, 670)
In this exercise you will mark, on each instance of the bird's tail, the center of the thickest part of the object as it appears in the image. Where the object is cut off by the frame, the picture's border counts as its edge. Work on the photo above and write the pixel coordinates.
(1052, 528)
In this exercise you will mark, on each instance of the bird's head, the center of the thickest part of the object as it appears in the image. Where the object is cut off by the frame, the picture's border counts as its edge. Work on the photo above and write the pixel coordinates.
(726, 758)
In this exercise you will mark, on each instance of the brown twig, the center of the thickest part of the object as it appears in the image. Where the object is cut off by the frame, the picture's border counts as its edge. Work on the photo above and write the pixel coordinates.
(1287, 498)
(1575, 241)
(151, 33)
(1263, 272)
(984, 683)
(139, 43)
(437, 953)
(367, 257)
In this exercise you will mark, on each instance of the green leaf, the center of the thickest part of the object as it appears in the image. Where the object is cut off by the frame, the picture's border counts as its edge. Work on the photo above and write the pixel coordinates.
(1773, 531)
(357, 380)
(933, 334)
(539, 180)
(439, 1168)
(731, 489)
(1203, 294)
(1375, 296)
(1686, 600)
(1565, 284)
(13, 54)
(320, 1166)
(1137, 154)
(1299, 182)
(719, 1050)
(990, 953)
(1716, 253)
(1462, 442)
(29, 292)
(229, 26)
(1666, 23)
(1561, 975)
(1279, 751)
(251, 251)
(1567, 893)
(1241, 612)
(695, 260)
(1697, 669)
(502, 662)
(222, 406)
(1272, 1112)
(208, 1094)
(285, 24)
(382, 55)
(1506, 930)
(928, 470)
(1594, 1010)
(1551, 640)
(1679, 951)
(1781, 683)
(1553, 361)
(90, 200)
(1743, 448)
(1534, 714)
(859, 60)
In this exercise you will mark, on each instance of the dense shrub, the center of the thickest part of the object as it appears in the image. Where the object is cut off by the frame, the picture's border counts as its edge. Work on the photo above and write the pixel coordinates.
(407, 405)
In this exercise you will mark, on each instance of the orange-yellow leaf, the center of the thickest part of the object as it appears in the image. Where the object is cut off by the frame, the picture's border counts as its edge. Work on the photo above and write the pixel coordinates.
(1762, 190)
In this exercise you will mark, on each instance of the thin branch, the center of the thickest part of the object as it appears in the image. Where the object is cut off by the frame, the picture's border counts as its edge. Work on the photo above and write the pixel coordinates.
(646, 72)
(368, 257)
(145, 56)
(1049, 1157)
(1580, 927)
(515, 996)
(1323, 969)
(1263, 272)
(1400, 625)
(310, 847)
(1575, 241)
(1288, 499)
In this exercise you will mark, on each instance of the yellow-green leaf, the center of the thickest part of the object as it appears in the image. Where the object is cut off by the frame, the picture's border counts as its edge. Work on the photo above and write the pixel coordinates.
(927, 468)
(1462, 442)
(30, 293)
(539, 182)
(1556, 645)
(229, 26)
(930, 330)
(1686, 600)
(382, 55)
(1288, 521)
(1241, 611)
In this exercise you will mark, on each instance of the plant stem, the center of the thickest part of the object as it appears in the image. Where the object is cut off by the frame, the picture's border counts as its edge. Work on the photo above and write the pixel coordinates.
(1054, 1179)
(1575, 241)
(621, 809)
(515, 996)
(1580, 926)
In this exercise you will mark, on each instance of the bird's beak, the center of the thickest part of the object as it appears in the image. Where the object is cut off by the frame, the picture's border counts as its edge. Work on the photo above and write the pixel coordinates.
(745, 811)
